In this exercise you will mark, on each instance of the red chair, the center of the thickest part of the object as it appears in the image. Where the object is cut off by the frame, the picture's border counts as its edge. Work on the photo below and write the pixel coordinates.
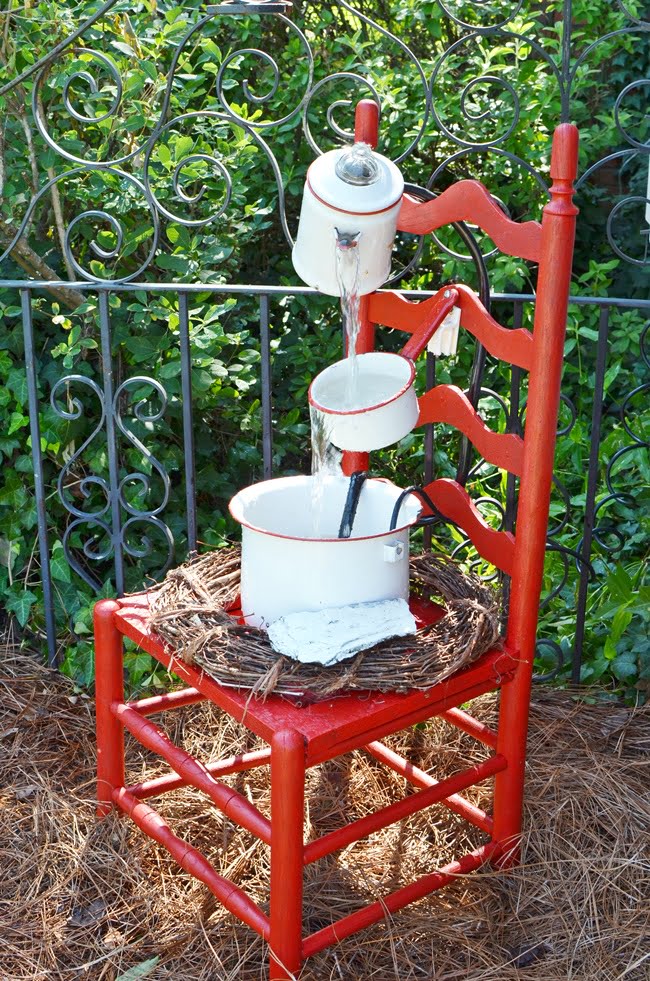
(301, 737)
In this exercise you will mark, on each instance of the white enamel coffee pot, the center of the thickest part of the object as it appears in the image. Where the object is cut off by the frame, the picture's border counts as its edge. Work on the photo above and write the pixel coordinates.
(352, 197)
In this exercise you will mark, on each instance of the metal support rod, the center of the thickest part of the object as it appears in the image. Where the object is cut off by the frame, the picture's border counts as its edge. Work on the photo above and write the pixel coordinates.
(366, 130)
(188, 422)
(111, 441)
(592, 486)
(267, 398)
(39, 489)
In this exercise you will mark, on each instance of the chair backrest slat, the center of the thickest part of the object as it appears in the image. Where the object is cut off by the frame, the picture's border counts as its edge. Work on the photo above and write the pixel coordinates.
(447, 404)
(514, 346)
(471, 201)
(454, 503)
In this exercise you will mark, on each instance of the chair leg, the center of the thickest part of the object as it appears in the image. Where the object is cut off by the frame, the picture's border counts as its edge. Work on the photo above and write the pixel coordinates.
(287, 848)
(509, 783)
(109, 688)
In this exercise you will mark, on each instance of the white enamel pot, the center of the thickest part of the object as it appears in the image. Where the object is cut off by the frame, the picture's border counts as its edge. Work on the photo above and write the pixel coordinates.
(379, 406)
(385, 408)
(292, 559)
(351, 193)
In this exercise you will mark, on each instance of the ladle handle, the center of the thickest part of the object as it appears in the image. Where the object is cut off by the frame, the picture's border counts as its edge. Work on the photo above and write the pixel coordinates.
(445, 301)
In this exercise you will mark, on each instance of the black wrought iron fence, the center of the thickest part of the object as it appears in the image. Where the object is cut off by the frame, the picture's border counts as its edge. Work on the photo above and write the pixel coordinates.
(109, 505)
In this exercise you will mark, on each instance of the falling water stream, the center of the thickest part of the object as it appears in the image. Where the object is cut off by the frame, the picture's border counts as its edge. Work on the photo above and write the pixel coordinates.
(325, 458)
(347, 276)
(325, 461)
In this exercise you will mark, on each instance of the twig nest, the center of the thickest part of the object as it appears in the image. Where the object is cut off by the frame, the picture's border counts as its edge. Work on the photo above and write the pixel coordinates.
(190, 612)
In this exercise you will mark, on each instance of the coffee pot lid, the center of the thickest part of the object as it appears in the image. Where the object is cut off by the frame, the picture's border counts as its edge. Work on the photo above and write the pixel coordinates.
(356, 179)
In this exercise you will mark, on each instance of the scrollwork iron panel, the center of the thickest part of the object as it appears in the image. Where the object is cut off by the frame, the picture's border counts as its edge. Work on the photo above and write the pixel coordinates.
(459, 103)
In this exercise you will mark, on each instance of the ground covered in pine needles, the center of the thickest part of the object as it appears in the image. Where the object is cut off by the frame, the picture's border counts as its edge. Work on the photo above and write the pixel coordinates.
(88, 900)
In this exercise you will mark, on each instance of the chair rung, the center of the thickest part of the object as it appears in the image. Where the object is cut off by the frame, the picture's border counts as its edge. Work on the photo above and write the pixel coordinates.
(338, 839)
(470, 725)
(233, 804)
(419, 778)
(396, 900)
(172, 699)
(189, 858)
(219, 768)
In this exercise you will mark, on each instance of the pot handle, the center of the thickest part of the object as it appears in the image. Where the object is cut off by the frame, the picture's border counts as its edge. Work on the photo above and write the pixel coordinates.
(419, 492)
(445, 301)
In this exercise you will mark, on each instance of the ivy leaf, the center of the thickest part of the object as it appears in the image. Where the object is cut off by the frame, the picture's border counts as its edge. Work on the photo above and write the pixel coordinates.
(17, 382)
(176, 263)
(16, 421)
(20, 604)
(620, 584)
(59, 567)
(625, 667)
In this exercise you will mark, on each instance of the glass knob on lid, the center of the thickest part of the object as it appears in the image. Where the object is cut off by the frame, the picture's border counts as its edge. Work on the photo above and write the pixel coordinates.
(357, 165)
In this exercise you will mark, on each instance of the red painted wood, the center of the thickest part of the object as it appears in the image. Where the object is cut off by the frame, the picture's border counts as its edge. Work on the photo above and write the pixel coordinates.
(471, 201)
(558, 231)
(419, 778)
(447, 404)
(366, 130)
(392, 310)
(513, 346)
(233, 898)
(172, 699)
(397, 900)
(443, 303)
(366, 122)
(287, 816)
(219, 768)
(401, 809)
(233, 804)
(497, 547)
(353, 462)
(348, 720)
(109, 687)
(493, 670)
(470, 725)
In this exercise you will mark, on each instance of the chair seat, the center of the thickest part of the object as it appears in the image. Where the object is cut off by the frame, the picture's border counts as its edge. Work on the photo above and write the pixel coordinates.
(337, 724)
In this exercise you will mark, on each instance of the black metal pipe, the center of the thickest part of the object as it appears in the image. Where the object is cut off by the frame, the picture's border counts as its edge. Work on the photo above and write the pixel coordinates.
(355, 487)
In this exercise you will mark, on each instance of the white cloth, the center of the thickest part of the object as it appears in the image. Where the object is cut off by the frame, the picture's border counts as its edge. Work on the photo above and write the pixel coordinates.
(330, 635)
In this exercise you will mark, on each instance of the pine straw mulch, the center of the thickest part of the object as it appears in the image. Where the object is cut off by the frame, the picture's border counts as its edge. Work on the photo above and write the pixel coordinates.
(87, 900)
(189, 611)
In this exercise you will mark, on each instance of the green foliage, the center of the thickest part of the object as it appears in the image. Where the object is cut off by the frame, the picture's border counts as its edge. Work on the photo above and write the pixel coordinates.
(247, 245)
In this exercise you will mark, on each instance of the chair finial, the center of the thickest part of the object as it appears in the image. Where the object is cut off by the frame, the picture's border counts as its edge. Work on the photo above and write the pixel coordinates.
(564, 155)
